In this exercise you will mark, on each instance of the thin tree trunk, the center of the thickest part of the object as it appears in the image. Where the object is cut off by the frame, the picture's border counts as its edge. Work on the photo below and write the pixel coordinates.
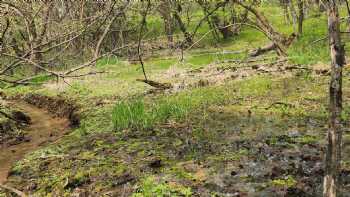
(300, 17)
(165, 12)
(333, 153)
(284, 4)
(294, 14)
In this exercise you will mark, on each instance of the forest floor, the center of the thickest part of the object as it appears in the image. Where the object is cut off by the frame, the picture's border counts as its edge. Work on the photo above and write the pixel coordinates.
(223, 130)
(255, 127)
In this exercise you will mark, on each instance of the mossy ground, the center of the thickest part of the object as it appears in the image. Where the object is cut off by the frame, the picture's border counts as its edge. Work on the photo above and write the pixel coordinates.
(187, 154)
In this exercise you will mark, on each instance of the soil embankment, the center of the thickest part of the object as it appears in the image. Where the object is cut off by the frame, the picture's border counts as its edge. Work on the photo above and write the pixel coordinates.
(44, 128)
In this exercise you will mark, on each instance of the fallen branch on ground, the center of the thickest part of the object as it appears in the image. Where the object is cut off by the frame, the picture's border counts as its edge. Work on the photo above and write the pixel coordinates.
(13, 190)
(280, 103)
(272, 46)
(155, 84)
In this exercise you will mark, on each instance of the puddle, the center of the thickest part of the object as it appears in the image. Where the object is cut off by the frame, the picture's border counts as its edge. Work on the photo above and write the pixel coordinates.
(43, 130)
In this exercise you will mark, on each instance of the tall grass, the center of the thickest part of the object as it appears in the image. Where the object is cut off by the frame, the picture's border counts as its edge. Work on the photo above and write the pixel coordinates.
(140, 114)
(130, 114)
(143, 114)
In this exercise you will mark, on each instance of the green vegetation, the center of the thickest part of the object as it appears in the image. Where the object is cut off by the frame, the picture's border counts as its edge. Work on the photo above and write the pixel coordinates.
(260, 127)
(149, 188)
(288, 182)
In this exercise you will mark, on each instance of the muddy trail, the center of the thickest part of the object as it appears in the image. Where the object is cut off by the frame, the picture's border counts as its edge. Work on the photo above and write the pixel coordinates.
(44, 129)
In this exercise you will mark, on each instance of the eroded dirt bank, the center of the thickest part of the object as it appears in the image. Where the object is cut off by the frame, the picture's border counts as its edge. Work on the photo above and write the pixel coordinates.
(57, 106)
(43, 129)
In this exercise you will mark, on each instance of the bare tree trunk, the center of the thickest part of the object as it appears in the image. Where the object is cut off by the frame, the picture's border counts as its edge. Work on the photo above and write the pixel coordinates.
(165, 12)
(293, 13)
(284, 4)
(300, 17)
(182, 26)
(105, 32)
(333, 153)
(176, 9)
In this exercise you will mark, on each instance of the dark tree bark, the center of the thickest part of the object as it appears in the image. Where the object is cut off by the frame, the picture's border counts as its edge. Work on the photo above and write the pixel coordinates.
(176, 9)
(333, 153)
(165, 12)
(300, 17)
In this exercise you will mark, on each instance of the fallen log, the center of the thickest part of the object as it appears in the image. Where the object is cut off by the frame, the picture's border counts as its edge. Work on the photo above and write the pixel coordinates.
(273, 46)
(262, 50)
(155, 84)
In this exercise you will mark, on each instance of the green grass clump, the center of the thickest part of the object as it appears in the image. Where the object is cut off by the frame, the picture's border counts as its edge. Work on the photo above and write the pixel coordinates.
(41, 79)
(107, 61)
(151, 187)
(130, 114)
(137, 114)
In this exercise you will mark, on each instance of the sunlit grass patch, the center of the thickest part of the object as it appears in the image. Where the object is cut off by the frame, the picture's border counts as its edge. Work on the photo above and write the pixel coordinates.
(143, 113)
(111, 60)
(307, 50)
(130, 114)
(150, 186)
(287, 182)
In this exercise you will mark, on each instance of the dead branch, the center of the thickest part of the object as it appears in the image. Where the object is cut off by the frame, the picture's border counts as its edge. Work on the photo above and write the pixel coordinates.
(108, 27)
(218, 6)
(280, 103)
(85, 74)
(262, 50)
(158, 85)
(272, 46)
(277, 38)
(4, 33)
(13, 190)
(229, 25)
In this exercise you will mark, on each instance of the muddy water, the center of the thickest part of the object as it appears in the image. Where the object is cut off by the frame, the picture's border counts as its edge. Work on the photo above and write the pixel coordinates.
(43, 130)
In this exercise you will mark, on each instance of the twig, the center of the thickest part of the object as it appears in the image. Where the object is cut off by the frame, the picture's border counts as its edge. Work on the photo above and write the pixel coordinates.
(14, 190)
(318, 40)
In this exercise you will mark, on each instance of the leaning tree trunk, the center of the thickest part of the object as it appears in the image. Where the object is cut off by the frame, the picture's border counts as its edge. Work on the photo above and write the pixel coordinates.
(277, 38)
(333, 153)
(182, 26)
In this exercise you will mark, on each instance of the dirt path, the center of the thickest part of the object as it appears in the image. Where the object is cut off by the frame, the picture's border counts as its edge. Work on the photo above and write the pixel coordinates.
(43, 130)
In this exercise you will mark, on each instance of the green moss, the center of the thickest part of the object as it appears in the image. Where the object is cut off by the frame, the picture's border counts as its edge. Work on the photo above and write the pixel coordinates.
(180, 172)
(228, 156)
(287, 182)
(307, 139)
(151, 187)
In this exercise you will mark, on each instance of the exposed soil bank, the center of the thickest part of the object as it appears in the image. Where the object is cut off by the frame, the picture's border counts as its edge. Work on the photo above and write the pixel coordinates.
(11, 123)
(43, 129)
(57, 106)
